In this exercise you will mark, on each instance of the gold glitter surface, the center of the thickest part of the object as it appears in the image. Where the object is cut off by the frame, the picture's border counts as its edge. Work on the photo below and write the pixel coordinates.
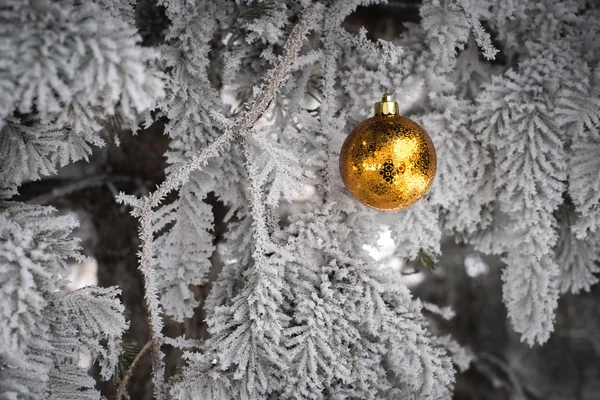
(388, 162)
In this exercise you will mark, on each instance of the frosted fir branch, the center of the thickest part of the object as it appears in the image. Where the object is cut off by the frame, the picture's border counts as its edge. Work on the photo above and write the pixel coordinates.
(69, 188)
(282, 164)
(578, 263)
(307, 59)
(274, 79)
(130, 200)
(45, 330)
(425, 235)
(447, 29)
(249, 332)
(123, 9)
(72, 383)
(151, 297)
(66, 67)
(387, 51)
(259, 212)
(143, 208)
(202, 382)
(98, 77)
(182, 342)
(89, 317)
(328, 106)
(182, 232)
(578, 103)
(531, 295)
(584, 180)
(577, 258)
(27, 147)
(482, 37)
(446, 313)
(529, 188)
(462, 357)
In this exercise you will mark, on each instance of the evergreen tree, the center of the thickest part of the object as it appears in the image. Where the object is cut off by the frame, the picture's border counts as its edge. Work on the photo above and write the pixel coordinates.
(257, 97)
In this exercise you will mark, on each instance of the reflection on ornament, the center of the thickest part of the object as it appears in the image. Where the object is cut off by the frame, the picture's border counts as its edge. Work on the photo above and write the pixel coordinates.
(388, 162)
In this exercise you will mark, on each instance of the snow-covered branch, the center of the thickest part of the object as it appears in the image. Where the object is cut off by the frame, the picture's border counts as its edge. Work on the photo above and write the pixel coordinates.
(274, 79)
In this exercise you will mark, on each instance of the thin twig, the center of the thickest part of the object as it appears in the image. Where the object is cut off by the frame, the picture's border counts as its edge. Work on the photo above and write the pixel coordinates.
(408, 273)
(84, 182)
(123, 383)
(512, 377)
(143, 208)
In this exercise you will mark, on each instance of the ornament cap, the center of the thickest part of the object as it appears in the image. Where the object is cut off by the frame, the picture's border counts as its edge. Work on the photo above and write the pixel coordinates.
(386, 106)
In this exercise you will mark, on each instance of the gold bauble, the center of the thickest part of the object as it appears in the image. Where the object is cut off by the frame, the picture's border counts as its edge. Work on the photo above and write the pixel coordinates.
(388, 162)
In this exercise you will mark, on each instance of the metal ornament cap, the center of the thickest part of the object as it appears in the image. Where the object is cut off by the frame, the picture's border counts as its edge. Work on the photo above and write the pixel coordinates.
(388, 162)
(386, 106)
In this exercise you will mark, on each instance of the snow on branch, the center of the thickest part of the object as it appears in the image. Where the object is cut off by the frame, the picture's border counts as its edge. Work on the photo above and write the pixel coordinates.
(247, 335)
(516, 121)
(70, 61)
(482, 37)
(577, 257)
(446, 313)
(69, 67)
(387, 51)
(45, 330)
(298, 309)
(274, 79)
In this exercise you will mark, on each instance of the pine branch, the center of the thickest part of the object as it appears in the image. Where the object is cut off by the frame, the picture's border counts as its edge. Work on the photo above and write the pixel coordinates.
(257, 9)
(257, 203)
(68, 188)
(151, 297)
(274, 79)
(422, 261)
(482, 38)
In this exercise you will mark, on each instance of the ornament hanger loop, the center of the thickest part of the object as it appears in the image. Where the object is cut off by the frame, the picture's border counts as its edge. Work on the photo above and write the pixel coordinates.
(386, 106)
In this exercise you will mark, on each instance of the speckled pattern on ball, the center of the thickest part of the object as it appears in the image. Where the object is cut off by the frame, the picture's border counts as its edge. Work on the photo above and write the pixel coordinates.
(388, 162)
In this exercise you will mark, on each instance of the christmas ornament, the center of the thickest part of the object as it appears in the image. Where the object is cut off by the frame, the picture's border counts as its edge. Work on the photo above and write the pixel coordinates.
(388, 162)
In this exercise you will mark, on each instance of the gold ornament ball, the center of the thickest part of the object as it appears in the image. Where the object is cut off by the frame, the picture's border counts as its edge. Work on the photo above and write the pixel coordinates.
(388, 162)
